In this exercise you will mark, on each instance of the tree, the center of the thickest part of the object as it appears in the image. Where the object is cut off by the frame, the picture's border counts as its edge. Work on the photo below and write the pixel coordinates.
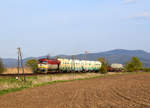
(33, 64)
(103, 60)
(1, 66)
(104, 65)
(134, 65)
(103, 68)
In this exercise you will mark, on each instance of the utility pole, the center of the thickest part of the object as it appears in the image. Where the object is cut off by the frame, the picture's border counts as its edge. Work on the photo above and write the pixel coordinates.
(20, 63)
(48, 56)
(86, 54)
(72, 62)
(73, 66)
(18, 66)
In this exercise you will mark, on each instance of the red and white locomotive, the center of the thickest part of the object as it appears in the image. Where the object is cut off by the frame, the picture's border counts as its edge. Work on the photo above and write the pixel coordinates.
(46, 65)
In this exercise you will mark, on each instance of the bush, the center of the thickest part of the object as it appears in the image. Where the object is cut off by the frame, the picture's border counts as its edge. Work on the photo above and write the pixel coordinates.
(103, 61)
(134, 65)
(104, 66)
(33, 64)
(145, 69)
(1, 66)
(103, 69)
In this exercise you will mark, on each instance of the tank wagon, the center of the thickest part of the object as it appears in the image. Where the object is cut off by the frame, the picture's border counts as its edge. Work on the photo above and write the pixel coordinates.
(68, 65)
(116, 68)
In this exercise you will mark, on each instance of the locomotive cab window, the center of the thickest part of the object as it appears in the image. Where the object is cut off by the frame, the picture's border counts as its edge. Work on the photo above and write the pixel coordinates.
(43, 62)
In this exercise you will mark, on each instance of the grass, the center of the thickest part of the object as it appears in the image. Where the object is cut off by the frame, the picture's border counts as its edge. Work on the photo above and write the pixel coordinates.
(13, 85)
(10, 90)
(15, 70)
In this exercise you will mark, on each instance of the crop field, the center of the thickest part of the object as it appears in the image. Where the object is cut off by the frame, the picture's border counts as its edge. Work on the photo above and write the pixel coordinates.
(119, 91)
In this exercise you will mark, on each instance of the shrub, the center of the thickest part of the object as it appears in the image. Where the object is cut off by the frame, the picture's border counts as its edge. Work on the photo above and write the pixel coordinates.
(104, 66)
(1, 66)
(103, 69)
(103, 61)
(145, 69)
(33, 64)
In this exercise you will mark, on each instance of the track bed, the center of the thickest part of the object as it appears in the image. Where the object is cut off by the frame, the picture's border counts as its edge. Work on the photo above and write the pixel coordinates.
(124, 91)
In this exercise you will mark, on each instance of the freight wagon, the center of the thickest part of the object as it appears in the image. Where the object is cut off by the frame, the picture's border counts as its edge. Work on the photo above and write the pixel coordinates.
(116, 68)
(68, 65)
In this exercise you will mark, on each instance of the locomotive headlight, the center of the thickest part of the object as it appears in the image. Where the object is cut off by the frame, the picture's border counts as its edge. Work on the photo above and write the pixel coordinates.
(42, 66)
(46, 66)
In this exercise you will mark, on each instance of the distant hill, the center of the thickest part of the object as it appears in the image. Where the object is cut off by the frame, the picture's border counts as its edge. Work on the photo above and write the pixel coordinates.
(117, 56)
(114, 56)
(8, 62)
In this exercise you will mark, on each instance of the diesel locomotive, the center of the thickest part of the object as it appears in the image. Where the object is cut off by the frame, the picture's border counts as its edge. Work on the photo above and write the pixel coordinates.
(68, 65)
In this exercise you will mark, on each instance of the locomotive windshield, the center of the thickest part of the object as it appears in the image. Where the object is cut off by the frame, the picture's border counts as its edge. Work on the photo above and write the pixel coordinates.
(43, 62)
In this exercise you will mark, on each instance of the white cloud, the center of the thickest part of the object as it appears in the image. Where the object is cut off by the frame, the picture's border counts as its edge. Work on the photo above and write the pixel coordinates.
(144, 15)
(129, 1)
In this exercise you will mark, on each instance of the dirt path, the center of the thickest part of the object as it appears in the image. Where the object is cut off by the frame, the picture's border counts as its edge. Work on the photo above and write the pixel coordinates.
(126, 91)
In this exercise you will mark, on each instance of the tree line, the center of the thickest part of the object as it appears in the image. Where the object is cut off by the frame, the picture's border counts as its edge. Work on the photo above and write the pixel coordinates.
(1, 66)
(133, 65)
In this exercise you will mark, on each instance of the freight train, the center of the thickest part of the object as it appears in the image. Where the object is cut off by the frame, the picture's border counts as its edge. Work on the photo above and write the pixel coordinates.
(68, 65)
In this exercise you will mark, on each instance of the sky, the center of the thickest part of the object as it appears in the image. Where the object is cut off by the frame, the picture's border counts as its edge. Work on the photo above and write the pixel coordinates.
(42, 27)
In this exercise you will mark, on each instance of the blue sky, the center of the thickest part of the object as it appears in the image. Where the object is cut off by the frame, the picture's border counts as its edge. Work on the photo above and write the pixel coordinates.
(69, 27)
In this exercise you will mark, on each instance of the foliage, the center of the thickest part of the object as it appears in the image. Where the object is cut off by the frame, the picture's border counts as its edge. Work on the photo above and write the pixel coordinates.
(145, 69)
(103, 69)
(104, 65)
(1, 66)
(33, 64)
(134, 65)
(103, 60)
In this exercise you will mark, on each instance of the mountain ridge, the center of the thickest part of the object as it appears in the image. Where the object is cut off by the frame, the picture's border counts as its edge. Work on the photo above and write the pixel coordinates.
(113, 56)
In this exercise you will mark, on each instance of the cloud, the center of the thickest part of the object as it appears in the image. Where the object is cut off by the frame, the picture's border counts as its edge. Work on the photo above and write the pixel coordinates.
(144, 15)
(129, 1)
